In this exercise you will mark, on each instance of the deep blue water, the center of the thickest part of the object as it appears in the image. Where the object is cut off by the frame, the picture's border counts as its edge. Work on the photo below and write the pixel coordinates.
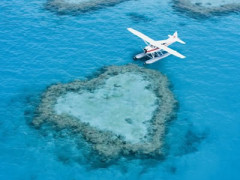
(39, 48)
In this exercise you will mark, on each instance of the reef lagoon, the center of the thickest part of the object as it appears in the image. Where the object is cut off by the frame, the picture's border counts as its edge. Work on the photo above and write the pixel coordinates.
(52, 64)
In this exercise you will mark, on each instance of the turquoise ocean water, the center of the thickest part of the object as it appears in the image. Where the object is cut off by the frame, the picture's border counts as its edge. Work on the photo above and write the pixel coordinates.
(39, 48)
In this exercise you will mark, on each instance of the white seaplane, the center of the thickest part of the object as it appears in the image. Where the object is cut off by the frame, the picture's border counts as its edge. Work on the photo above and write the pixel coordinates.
(157, 50)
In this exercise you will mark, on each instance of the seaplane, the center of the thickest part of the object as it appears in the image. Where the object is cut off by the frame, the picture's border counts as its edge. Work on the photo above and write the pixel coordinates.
(157, 50)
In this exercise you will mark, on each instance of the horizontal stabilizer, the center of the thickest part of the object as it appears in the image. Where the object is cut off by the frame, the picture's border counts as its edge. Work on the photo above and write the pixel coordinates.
(180, 41)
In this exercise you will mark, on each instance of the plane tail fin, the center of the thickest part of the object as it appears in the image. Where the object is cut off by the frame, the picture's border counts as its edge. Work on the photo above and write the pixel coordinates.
(176, 38)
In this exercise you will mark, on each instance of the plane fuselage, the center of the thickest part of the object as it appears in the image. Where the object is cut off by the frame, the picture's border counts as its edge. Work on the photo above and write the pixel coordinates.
(157, 50)
(152, 49)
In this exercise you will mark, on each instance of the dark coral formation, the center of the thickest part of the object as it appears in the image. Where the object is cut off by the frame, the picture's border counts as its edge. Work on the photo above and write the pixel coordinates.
(68, 7)
(197, 10)
(107, 144)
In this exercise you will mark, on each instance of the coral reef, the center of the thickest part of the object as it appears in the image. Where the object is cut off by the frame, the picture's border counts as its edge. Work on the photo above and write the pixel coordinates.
(78, 6)
(207, 8)
(122, 111)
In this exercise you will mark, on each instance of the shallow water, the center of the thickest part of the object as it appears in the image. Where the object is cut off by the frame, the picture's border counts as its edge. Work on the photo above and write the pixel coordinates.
(39, 48)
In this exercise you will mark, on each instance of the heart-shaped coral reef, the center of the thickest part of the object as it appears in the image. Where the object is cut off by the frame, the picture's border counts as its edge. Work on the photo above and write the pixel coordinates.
(122, 111)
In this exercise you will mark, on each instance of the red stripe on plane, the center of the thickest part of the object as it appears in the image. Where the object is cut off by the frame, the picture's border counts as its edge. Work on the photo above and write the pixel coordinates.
(152, 50)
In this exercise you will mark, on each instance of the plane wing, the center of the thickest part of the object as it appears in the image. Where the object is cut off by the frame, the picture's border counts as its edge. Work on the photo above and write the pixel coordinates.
(141, 35)
(155, 43)
(169, 50)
